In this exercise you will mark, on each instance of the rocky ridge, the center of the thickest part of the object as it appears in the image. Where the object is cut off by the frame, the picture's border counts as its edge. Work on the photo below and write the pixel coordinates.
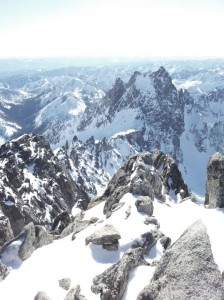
(159, 107)
(145, 174)
(34, 186)
(131, 197)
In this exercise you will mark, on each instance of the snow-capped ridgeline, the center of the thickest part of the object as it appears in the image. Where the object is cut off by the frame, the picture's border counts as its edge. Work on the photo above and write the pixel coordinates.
(134, 240)
(181, 114)
(113, 249)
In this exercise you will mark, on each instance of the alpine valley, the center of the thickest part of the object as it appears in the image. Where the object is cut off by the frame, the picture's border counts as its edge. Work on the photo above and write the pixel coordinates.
(112, 180)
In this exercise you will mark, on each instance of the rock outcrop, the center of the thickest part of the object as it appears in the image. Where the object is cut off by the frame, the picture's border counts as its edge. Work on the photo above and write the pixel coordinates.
(4, 271)
(187, 270)
(6, 233)
(31, 238)
(74, 294)
(170, 174)
(65, 283)
(148, 240)
(145, 174)
(111, 284)
(107, 236)
(34, 186)
(215, 181)
(144, 204)
(41, 296)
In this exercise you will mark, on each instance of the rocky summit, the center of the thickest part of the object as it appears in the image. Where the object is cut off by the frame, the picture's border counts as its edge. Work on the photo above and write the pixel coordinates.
(102, 183)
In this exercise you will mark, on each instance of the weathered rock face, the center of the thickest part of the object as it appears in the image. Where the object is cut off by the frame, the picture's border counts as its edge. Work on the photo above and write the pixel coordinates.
(170, 174)
(187, 270)
(4, 271)
(31, 238)
(41, 296)
(215, 181)
(144, 204)
(112, 283)
(107, 236)
(85, 163)
(148, 240)
(6, 233)
(151, 97)
(65, 283)
(74, 294)
(144, 174)
(34, 186)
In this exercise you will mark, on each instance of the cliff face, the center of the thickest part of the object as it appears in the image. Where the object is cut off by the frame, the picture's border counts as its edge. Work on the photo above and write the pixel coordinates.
(34, 186)
(215, 181)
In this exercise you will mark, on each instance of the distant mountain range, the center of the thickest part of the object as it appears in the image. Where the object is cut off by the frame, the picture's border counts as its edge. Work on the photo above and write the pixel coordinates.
(106, 186)
(116, 111)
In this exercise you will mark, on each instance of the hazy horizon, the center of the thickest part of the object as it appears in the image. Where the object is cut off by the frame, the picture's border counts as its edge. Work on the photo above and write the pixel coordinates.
(118, 28)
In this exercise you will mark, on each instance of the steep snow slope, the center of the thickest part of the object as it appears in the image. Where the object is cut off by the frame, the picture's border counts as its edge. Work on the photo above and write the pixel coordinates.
(73, 259)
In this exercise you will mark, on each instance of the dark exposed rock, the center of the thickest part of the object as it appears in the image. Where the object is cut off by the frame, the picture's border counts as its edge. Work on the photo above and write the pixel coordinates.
(79, 226)
(31, 238)
(187, 270)
(93, 220)
(120, 183)
(152, 220)
(42, 237)
(215, 181)
(34, 186)
(41, 296)
(112, 283)
(144, 204)
(28, 245)
(65, 283)
(4, 271)
(170, 174)
(107, 236)
(148, 240)
(6, 233)
(165, 242)
(81, 153)
(144, 174)
(61, 222)
(15, 215)
(74, 294)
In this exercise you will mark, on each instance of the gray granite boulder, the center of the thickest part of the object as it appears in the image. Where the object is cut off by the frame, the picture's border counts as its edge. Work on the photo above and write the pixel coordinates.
(74, 294)
(111, 284)
(107, 236)
(27, 247)
(41, 296)
(42, 237)
(31, 238)
(187, 270)
(144, 204)
(65, 283)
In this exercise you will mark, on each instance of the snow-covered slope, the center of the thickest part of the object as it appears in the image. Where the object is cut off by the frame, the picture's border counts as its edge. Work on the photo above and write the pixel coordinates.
(78, 262)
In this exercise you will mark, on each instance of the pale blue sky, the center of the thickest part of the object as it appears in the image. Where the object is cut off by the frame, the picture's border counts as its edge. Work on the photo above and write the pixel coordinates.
(162, 28)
